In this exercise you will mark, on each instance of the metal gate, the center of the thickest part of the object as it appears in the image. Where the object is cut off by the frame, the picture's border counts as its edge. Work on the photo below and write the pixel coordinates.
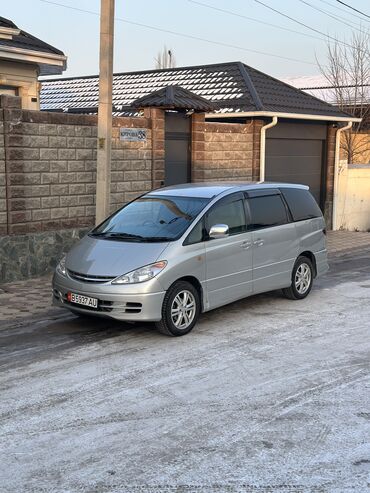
(177, 148)
(295, 153)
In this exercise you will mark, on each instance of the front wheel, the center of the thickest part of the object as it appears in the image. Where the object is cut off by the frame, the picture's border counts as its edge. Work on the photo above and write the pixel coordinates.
(180, 309)
(302, 279)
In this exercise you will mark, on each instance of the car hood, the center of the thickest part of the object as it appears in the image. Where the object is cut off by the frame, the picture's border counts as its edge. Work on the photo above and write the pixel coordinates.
(98, 257)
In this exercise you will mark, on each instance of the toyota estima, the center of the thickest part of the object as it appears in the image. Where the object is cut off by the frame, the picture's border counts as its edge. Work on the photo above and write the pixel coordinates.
(178, 251)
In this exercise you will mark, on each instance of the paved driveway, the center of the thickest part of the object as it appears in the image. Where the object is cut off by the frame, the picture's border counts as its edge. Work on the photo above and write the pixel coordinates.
(266, 395)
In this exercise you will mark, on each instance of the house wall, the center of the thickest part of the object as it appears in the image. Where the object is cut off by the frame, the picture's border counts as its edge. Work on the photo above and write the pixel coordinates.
(353, 207)
(23, 78)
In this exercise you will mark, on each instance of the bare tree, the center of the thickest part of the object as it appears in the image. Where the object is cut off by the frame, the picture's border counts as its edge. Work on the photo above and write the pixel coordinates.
(347, 71)
(165, 59)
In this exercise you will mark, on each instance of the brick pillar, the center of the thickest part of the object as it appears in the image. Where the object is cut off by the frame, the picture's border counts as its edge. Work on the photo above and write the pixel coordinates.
(329, 185)
(197, 147)
(157, 117)
(3, 194)
(12, 114)
(257, 125)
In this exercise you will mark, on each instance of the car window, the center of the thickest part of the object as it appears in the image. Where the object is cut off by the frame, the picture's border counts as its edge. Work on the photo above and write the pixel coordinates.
(196, 234)
(266, 211)
(301, 203)
(230, 213)
(152, 218)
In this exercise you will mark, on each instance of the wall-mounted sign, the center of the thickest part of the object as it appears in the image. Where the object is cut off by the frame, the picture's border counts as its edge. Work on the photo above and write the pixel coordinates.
(132, 134)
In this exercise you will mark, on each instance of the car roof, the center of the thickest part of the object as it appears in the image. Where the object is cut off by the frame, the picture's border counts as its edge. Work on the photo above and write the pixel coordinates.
(212, 189)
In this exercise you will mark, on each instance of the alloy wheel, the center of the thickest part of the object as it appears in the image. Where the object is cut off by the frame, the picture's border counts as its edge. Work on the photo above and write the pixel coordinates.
(183, 309)
(303, 277)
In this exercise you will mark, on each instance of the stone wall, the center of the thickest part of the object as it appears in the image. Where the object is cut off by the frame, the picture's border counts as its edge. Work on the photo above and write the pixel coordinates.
(3, 202)
(47, 181)
(228, 151)
(223, 151)
(51, 168)
(34, 254)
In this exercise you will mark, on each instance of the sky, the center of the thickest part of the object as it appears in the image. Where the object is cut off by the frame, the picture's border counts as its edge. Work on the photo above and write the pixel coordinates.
(76, 33)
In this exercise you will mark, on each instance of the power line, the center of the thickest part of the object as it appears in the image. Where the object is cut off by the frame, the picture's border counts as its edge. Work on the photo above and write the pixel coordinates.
(235, 14)
(302, 24)
(352, 25)
(343, 10)
(352, 8)
(183, 35)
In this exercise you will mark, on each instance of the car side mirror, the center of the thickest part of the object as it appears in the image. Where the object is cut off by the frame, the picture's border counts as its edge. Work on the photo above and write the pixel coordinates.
(219, 231)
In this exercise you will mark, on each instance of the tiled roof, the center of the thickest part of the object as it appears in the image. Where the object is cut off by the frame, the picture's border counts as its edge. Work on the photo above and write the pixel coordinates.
(25, 40)
(174, 98)
(234, 87)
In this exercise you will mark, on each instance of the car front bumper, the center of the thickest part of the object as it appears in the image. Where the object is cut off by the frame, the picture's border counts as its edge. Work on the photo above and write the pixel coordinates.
(118, 302)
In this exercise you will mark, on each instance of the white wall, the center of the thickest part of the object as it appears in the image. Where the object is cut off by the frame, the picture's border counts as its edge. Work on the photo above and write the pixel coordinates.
(353, 210)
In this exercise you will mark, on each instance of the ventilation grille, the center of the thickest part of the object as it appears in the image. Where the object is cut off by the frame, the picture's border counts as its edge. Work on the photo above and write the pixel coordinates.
(89, 278)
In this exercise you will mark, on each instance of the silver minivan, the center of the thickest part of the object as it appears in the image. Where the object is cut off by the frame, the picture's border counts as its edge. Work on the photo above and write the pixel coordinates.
(181, 250)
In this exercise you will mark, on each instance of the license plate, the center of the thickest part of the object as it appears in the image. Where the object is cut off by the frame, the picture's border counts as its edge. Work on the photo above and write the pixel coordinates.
(82, 300)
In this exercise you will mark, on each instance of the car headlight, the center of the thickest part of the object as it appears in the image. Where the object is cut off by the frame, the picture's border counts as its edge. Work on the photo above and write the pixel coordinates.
(141, 275)
(61, 267)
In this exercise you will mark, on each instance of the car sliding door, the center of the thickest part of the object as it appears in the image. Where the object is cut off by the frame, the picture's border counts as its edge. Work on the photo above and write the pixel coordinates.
(274, 238)
(228, 259)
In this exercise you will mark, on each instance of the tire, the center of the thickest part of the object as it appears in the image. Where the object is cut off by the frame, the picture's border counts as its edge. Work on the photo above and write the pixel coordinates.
(302, 279)
(175, 320)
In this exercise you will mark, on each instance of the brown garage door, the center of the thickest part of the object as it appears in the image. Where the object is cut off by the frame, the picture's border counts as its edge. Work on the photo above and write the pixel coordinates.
(295, 154)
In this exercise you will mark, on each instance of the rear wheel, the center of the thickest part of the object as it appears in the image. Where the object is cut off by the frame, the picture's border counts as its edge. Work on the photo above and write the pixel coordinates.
(180, 309)
(302, 279)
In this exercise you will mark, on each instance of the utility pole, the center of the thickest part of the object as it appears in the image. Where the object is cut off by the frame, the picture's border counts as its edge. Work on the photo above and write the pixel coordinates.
(105, 110)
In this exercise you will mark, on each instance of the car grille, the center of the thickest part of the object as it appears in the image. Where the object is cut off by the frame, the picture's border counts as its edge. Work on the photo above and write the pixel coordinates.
(89, 278)
(103, 305)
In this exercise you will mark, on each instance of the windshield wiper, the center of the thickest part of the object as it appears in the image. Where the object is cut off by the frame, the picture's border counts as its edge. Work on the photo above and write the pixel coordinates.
(97, 234)
(118, 236)
(129, 236)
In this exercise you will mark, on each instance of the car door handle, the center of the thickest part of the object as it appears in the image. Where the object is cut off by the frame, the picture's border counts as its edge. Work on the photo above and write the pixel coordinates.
(259, 242)
(246, 244)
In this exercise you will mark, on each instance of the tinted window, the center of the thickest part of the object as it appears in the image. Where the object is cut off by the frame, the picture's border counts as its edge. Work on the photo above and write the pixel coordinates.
(152, 218)
(266, 211)
(230, 213)
(301, 203)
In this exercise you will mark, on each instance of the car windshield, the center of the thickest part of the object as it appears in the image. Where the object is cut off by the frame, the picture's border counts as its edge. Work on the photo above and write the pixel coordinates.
(152, 218)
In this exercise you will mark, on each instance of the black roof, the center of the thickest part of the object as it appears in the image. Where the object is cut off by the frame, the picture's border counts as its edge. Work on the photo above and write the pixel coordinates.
(234, 87)
(174, 98)
(25, 40)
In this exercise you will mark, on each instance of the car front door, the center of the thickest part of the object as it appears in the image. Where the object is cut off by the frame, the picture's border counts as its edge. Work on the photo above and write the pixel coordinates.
(274, 238)
(228, 259)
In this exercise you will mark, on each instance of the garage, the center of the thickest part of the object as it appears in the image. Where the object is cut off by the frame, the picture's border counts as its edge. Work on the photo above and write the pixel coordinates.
(295, 153)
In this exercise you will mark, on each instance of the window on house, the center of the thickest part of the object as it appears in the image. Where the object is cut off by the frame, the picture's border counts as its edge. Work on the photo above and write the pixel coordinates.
(8, 90)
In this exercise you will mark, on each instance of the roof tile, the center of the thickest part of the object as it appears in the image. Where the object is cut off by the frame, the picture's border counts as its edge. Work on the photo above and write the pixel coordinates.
(233, 86)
